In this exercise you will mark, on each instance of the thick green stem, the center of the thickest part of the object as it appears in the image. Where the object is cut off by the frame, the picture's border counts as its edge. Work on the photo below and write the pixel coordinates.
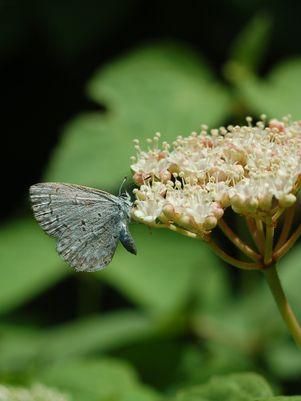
(282, 303)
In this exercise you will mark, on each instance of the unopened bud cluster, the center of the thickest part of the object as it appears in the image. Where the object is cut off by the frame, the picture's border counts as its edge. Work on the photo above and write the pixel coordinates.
(254, 169)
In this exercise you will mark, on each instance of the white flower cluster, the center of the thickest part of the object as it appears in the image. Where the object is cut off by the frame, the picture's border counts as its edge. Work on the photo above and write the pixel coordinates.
(254, 169)
(36, 393)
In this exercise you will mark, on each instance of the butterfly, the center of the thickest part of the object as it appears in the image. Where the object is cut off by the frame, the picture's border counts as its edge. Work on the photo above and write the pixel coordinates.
(88, 223)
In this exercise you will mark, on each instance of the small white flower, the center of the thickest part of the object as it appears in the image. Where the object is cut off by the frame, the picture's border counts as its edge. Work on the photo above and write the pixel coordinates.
(149, 203)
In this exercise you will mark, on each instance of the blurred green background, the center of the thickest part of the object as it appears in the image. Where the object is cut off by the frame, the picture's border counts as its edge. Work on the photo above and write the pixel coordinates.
(80, 81)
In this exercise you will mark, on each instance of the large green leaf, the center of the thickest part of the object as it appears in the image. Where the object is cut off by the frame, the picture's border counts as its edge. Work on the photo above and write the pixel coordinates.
(278, 94)
(21, 347)
(235, 387)
(97, 380)
(18, 347)
(198, 364)
(283, 359)
(94, 150)
(99, 333)
(212, 291)
(29, 263)
(256, 322)
(281, 398)
(290, 276)
(162, 88)
(280, 352)
(162, 276)
(161, 84)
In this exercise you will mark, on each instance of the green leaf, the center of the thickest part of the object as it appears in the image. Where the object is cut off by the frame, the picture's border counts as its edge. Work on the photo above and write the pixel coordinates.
(236, 333)
(162, 88)
(198, 364)
(283, 359)
(99, 333)
(21, 347)
(290, 275)
(141, 393)
(94, 151)
(282, 398)
(161, 277)
(96, 380)
(211, 286)
(163, 84)
(29, 263)
(280, 353)
(255, 327)
(235, 387)
(278, 94)
(159, 360)
(250, 45)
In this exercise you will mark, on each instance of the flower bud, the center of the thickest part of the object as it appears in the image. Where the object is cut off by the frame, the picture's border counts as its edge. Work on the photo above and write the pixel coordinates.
(265, 202)
(218, 211)
(238, 201)
(277, 124)
(209, 223)
(169, 212)
(251, 205)
(184, 221)
(140, 195)
(287, 200)
(137, 177)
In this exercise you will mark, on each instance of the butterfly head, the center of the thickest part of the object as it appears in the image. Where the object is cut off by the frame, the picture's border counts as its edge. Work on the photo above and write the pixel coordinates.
(126, 199)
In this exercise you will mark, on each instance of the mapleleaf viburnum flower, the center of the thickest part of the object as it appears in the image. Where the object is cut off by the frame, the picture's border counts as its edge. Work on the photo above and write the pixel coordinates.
(255, 170)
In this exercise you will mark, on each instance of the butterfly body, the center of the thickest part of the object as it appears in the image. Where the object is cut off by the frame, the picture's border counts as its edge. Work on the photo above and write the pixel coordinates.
(87, 223)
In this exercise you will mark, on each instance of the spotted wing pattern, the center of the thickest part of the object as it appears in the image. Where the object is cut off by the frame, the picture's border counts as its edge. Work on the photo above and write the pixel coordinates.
(85, 221)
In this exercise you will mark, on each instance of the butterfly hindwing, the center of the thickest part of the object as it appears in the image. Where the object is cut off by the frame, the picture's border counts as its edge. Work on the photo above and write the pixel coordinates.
(93, 248)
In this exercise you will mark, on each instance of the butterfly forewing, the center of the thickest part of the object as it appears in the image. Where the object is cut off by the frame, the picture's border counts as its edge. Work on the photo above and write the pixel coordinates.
(85, 221)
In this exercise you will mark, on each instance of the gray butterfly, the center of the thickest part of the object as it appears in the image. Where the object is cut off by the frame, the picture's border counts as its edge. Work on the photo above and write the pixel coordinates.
(88, 223)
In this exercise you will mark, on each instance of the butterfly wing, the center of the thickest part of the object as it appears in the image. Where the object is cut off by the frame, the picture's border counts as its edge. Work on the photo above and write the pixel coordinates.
(92, 249)
(85, 221)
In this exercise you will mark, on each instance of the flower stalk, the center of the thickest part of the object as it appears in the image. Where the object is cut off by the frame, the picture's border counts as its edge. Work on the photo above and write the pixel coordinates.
(282, 303)
(288, 221)
(268, 246)
(258, 241)
(288, 245)
(260, 234)
(244, 248)
(231, 260)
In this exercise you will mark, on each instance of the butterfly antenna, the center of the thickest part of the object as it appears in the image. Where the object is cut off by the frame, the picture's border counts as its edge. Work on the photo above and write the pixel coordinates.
(122, 184)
